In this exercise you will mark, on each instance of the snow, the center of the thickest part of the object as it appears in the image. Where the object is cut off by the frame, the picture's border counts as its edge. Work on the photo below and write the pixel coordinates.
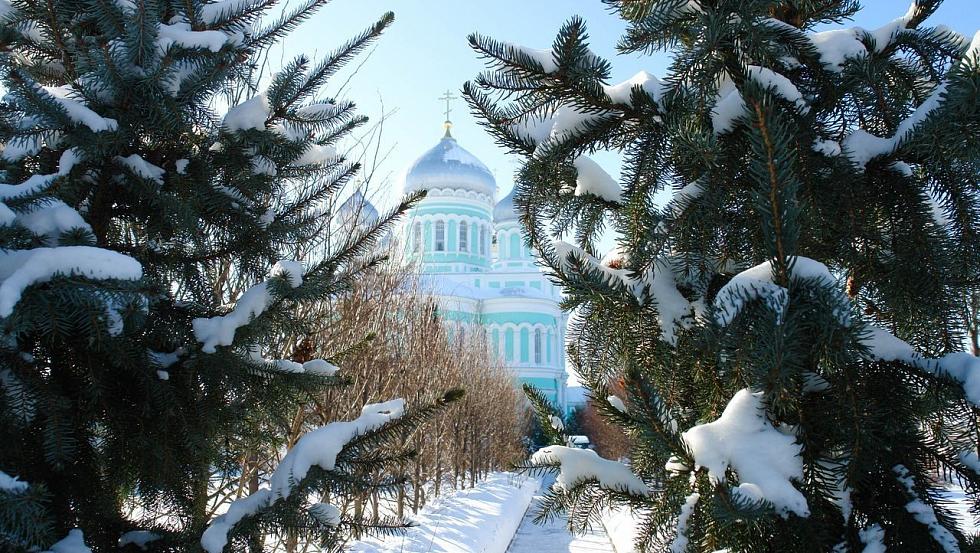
(292, 271)
(181, 35)
(11, 484)
(873, 539)
(215, 537)
(325, 513)
(316, 154)
(924, 513)
(220, 331)
(730, 105)
(73, 543)
(320, 367)
(765, 459)
(477, 520)
(779, 84)
(593, 179)
(141, 167)
(970, 459)
(829, 148)
(617, 403)
(262, 165)
(757, 283)
(556, 423)
(250, 114)
(181, 165)
(51, 219)
(679, 545)
(684, 196)
(622, 93)
(960, 366)
(727, 109)
(544, 57)
(139, 538)
(554, 128)
(836, 46)
(78, 111)
(20, 269)
(578, 465)
(862, 146)
(33, 185)
(216, 11)
(320, 448)
(552, 536)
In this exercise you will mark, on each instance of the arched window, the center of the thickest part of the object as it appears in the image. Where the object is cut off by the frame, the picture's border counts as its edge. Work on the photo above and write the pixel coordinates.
(464, 235)
(440, 236)
(537, 346)
(483, 240)
(417, 237)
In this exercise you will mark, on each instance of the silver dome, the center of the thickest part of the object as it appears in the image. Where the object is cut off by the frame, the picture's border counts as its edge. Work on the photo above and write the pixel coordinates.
(504, 211)
(357, 208)
(448, 165)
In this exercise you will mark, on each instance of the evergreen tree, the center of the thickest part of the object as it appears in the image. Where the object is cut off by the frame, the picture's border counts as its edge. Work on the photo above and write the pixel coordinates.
(797, 222)
(130, 369)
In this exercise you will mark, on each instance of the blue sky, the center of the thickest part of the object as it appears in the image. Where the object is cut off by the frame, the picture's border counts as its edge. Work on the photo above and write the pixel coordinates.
(425, 53)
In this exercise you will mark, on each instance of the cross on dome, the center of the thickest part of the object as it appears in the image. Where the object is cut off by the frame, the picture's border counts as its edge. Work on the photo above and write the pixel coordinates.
(448, 97)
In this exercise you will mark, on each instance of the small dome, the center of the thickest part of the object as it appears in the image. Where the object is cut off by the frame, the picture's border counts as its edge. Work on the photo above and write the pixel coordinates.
(448, 165)
(357, 208)
(504, 211)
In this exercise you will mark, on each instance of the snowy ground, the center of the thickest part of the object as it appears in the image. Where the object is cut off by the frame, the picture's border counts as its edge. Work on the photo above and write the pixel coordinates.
(553, 537)
(478, 520)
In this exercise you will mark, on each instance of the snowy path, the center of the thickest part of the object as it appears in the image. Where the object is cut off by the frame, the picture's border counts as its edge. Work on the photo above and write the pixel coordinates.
(554, 537)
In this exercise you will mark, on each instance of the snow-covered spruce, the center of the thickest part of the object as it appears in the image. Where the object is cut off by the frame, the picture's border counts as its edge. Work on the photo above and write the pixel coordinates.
(319, 448)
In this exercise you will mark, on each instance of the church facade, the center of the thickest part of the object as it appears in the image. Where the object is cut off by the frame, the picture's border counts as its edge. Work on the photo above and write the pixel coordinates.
(473, 259)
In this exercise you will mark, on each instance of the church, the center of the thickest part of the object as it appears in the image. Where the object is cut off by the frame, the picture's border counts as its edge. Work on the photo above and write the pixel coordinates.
(473, 259)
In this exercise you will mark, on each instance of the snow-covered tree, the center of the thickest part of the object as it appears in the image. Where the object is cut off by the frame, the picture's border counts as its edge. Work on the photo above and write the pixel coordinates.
(129, 370)
(797, 223)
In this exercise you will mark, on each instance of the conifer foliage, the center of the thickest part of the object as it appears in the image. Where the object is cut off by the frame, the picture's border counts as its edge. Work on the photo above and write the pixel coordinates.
(129, 370)
(797, 219)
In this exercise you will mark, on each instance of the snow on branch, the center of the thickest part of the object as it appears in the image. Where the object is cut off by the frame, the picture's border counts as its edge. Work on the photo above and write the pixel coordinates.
(77, 110)
(593, 179)
(960, 366)
(731, 105)
(318, 448)
(580, 465)
(765, 459)
(757, 283)
(621, 93)
(11, 484)
(924, 513)
(20, 269)
(74, 542)
(220, 331)
(673, 310)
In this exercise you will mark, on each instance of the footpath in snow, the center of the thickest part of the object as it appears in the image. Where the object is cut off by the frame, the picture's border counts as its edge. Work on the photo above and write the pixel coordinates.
(554, 537)
(478, 520)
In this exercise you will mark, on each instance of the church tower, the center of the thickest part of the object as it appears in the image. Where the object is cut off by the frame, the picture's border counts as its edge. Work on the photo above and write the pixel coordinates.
(497, 292)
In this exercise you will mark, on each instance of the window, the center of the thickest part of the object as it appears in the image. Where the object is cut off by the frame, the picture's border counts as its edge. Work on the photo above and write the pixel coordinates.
(483, 240)
(464, 235)
(440, 236)
(417, 237)
(537, 346)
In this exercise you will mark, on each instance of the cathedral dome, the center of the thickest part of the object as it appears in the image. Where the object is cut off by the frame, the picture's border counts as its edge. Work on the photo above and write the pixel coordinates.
(448, 165)
(504, 211)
